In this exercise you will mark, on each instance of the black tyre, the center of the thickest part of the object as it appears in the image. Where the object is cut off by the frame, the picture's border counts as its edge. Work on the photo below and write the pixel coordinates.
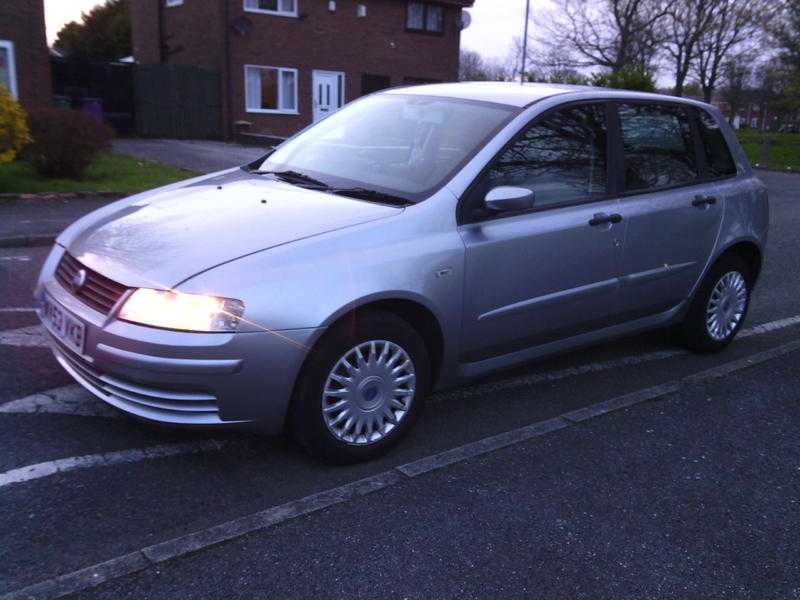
(361, 389)
(719, 306)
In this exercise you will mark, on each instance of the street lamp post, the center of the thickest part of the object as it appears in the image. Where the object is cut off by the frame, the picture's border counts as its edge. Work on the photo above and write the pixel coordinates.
(525, 41)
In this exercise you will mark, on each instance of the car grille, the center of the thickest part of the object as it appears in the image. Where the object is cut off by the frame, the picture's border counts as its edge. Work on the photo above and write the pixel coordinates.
(166, 405)
(98, 292)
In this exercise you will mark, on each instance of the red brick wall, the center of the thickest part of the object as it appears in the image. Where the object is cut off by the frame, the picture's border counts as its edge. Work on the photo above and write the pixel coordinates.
(194, 34)
(145, 31)
(378, 44)
(22, 22)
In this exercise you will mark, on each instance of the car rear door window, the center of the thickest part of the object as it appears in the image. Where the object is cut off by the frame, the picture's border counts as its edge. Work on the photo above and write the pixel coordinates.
(562, 157)
(658, 146)
(719, 162)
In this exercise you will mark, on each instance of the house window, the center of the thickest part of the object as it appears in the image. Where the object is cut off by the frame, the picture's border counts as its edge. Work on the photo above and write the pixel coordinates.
(425, 17)
(173, 2)
(272, 7)
(270, 89)
(8, 71)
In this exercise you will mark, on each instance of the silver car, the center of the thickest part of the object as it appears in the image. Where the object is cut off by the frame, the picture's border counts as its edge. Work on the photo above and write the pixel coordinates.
(416, 239)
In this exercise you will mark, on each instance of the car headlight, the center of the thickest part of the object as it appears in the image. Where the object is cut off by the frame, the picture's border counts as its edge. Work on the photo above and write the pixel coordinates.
(187, 312)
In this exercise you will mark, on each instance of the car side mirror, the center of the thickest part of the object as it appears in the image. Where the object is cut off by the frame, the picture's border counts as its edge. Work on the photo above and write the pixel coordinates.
(506, 198)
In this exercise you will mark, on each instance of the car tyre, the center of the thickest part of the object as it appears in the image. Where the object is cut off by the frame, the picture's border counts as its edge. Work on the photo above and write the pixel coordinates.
(374, 332)
(719, 306)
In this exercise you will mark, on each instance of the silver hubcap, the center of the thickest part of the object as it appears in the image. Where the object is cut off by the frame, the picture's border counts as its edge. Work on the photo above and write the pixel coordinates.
(368, 392)
(726, 306)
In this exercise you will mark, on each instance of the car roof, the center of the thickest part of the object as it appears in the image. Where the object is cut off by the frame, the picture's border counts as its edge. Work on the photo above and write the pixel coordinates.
(522, 95)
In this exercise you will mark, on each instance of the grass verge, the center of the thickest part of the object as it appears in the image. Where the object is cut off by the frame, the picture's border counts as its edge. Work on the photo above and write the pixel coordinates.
(784, 148)
(109, 172)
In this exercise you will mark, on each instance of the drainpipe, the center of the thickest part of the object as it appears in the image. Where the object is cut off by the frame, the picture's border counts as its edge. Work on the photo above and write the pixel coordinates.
(227, 112)
(160, 32)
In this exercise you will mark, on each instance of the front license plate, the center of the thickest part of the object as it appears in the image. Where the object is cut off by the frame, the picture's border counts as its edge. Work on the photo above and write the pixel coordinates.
(69, 330)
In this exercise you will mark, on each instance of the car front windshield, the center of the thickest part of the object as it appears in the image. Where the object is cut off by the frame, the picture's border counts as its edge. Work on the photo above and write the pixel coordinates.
(404, 145)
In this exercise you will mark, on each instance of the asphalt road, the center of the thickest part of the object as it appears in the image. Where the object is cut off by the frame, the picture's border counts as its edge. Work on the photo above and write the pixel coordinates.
(200, 156)
(694, 493)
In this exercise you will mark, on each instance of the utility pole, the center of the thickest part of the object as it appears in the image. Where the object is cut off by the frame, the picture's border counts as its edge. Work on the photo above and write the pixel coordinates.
(525, 42)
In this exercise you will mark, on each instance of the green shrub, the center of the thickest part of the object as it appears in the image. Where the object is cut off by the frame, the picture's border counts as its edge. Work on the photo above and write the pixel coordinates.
(65, 141)
(625, 79)
(14, 133)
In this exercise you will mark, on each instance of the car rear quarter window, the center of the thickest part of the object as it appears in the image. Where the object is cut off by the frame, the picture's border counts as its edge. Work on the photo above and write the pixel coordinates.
(719, 162)
(658, 146)
(561, 157)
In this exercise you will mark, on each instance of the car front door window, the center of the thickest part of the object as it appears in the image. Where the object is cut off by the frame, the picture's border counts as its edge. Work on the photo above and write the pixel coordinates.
(561, 157)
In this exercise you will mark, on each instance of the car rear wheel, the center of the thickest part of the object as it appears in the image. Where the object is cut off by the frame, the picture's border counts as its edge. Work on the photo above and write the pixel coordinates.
(361, 389)
(719, 307)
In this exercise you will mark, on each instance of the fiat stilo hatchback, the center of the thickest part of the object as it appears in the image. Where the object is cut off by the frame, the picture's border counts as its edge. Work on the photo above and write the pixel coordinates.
(416, 239)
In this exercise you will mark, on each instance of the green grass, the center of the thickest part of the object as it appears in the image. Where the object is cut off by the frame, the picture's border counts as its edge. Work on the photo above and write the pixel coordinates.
(784, 150)
(108, 173)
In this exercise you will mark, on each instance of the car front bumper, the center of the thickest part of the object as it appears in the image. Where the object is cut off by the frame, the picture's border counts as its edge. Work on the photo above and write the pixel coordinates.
(181, 378)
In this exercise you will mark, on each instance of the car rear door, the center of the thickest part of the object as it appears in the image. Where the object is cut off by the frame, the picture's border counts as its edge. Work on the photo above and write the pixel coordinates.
(550, 272)
(671, 215)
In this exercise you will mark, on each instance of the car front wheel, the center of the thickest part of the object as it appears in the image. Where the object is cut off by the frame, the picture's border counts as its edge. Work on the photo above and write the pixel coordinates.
(362, 388)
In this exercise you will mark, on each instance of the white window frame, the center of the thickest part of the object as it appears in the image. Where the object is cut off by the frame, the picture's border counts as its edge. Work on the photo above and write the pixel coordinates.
(169, 3)
(12, 67)
(276, 111)
(280, 13)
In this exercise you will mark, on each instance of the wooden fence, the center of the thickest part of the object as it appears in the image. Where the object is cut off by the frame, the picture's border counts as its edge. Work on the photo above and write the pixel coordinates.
(177, 101)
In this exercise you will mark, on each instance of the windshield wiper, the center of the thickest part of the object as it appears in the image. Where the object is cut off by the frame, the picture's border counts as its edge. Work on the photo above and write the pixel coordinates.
(295, 177)
(361, 193)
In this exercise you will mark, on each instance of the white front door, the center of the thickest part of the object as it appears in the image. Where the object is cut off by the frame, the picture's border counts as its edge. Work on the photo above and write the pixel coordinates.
(328, 93)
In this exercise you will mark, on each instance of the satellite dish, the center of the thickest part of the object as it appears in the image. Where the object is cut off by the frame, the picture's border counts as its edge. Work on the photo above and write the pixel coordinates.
(466, 19)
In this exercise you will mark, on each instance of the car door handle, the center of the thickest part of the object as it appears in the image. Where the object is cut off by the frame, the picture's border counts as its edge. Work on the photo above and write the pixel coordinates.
(603, 218)
(700, 201)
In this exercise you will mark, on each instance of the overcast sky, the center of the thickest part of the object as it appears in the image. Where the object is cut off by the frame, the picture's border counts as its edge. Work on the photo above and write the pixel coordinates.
(59, 12)
(495, 23)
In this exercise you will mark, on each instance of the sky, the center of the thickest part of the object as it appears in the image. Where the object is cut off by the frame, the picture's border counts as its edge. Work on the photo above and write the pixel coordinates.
(57, 13)
(495, 23)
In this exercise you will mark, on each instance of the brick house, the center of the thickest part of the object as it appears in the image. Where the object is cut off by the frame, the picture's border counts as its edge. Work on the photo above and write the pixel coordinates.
(286, 63)
(24, 58)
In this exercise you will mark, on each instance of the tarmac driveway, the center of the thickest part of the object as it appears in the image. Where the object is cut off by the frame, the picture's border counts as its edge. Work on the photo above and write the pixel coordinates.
(201, 156)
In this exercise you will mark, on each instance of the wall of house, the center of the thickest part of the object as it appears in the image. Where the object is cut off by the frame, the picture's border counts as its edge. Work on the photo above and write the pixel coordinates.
(193, 33)
(22, 22)
(145, 29)
(197, 31)
(377, 44)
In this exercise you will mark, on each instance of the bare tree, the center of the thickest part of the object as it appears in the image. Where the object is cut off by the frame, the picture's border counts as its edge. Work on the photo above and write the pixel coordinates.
(736, 75)
(550, 64)
(470, 66)
(785, 32)
(614, 34)
(735, 23)
(473, 67)
(687, 22)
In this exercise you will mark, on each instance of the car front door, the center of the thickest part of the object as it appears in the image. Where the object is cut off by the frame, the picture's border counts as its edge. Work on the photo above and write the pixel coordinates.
(671, 217)
(549, 272)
